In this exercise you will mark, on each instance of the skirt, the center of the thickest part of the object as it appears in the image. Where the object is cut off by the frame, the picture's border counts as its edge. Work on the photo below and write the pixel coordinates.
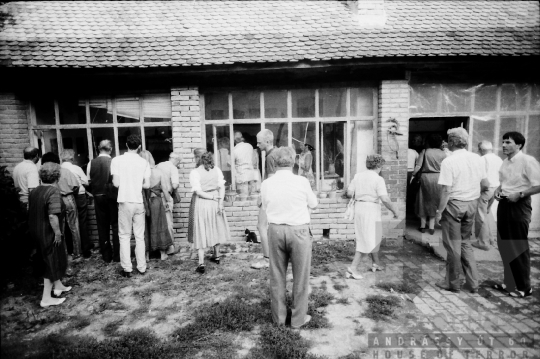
(429, 195)
(367, 226)
(207, 227)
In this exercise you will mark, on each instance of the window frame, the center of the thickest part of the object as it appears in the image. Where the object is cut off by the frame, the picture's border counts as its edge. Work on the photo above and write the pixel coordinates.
(348, 119)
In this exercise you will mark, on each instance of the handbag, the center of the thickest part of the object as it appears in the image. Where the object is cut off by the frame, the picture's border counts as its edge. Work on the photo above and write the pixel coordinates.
(416, 180)
(349, 213)
(176, 196)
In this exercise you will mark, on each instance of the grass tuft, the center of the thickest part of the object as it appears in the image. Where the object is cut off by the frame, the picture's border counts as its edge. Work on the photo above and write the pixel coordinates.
(403, 287)
(359, 330)
(344, 301)
(340, 287)
(382, 308)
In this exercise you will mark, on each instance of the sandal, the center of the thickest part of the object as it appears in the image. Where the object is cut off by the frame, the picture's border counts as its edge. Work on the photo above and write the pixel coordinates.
(375, 268)
(500, 287)
(350, 274)
(520, 294)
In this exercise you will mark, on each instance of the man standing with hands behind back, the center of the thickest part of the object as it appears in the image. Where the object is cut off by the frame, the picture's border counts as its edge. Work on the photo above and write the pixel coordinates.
(520, 179)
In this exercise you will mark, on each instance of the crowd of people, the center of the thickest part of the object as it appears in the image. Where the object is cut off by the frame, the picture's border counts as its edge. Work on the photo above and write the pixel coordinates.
(134, 196)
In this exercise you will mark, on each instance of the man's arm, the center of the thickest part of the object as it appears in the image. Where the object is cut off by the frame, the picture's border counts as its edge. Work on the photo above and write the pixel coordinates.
(445, 196)
(147, 174)
(484, 184)
(116, 181)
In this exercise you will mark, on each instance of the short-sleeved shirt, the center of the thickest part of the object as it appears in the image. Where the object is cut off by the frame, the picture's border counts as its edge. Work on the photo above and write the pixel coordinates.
(368, 186)
(132, 171)
(67, 182)
(25, 176)
(412, 156)
(270, 165)
(208, 180)
(463, 172)
(170, 171)
(493, 165)
(519, 174)
(78, 173)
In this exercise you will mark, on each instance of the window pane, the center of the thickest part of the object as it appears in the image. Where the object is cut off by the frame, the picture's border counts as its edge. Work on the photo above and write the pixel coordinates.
(281, 133)
(514, 97)
(455, 98)
(486, 98)
(535, 97)
(275, 104)
(48, 141)
(72, 111)
(159, 142)
(333, 102)
(78, 142)
(101, 110)
(303, 103)
(533, 134)
(223, 157)
(157, 108)
(305, 164)
(246, 104)
(424, 98)
(483, 129)
(216, 106)
(100, 134)
(361, 102)
(44, 109)
(509, 124)
(127, 109)
(123, 133)
(332, 141)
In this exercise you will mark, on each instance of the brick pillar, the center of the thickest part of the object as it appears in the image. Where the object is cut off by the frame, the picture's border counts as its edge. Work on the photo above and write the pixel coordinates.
(394, 103)
(13, 129)
(186, 127)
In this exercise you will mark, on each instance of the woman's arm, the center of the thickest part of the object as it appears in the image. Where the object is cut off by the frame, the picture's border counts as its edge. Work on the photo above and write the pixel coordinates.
(55, 224)
(388, 204)
(419, 162)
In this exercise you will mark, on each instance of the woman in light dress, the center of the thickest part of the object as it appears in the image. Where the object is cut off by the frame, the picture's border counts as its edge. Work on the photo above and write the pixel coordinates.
(305, 162)
(367, 188)
(208, 225)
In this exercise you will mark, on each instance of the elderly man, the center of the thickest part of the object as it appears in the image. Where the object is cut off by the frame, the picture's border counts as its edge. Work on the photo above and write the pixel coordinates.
(67, 156)
(484, 222)
(25, 174)
(265, 142)
(520, 179)
(105, 206)
(170, 169)
(287, 198)
(243, 163)
(463, 176)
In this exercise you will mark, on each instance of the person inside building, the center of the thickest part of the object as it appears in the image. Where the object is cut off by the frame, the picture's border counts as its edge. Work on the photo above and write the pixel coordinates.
(105, 205)
(25, 174)
(46, 211)
(170, 170)
(67, 156)
(428, 167)
(243, 162)
(463, 177)
(287, 200)
(484, 222)
(69, 188)
(305, 163)
(131, 174)
(265, 142)
(223, 158)
(520, 179)
(157, 235)
(412, 157)
(367, 188)
(208, 225)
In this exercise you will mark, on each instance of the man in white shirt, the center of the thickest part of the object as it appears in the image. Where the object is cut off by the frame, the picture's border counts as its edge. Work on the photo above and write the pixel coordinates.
(243, 163)
(520, 179)
(131, 173)
(484, 223)
(170, 169)
(287, 198)
(25, 174)
(463, 176)
(67, 156)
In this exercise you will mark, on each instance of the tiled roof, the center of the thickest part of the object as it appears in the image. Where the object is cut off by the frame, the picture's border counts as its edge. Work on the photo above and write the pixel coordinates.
(190, 33)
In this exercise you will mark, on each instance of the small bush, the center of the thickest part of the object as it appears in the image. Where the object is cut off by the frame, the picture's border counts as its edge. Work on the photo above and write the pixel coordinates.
(340, 287)
(381, 308)
(359, 330)
(344, 301)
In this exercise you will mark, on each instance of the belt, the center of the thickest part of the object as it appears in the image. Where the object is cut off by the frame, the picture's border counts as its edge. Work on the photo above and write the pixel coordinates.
(361, 200)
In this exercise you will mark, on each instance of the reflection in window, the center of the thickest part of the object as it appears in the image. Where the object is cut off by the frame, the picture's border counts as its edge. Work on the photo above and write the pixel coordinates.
(533, 134)
(514, 97)
(483, 129)
(100, 134)
(275, 104)
(77, 140)
(246, 104)
(486, 98)
(222, 157)
(303, 103)
(455, 98)
(123, 133)
(101, 110)
(424, 98)
(157, 108)
(333, 151)
(304, 142)
(48, 141)
(332, 102)
(535, 97)
(281, 133)
(361, 101)
(44, 109)
(72, 111)
(127, 109)
(159, 142)
(216, 106)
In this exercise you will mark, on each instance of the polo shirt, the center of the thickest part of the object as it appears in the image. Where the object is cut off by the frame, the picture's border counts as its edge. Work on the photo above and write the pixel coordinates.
(519, 173)
(68, 182)
(170, 171)
(25, 176)
(493, 165)
(79, 173)
(463, 172)
(132, 170)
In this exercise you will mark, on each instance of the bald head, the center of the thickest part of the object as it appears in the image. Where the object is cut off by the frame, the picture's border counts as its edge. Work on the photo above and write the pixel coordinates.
(31, 153)
(485, 147)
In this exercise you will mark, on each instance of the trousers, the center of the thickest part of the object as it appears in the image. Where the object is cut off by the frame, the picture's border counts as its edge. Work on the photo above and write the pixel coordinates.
(483, 221)
(513, 219)
(457, 222)
(292, 243)
(82, 210)
(72, 221)
(107, 217)
(131, 216)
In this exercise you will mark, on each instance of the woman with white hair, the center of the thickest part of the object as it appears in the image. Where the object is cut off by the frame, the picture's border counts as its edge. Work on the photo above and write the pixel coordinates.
(367, 188)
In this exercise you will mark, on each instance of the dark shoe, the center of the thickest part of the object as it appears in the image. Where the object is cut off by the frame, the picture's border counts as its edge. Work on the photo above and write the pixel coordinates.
(422, 230)
(215, 259)
(476, 245)
(107, 257)
(200, 269)
(432, 231)
(442, 285)
(87, 254)
(501, 287)
(470, 289)
(520, 294)
(125, 274)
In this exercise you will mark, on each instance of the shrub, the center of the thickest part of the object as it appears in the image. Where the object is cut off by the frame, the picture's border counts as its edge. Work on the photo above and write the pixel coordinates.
(381, 308)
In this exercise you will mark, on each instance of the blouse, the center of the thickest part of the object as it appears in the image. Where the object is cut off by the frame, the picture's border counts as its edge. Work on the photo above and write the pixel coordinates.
(195, 179)
(368, 186)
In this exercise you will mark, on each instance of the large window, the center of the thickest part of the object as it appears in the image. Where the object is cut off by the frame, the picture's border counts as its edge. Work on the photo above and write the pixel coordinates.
(81, 123)
(322, 118)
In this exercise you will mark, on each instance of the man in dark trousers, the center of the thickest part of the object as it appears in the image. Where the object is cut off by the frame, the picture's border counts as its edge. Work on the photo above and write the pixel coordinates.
(106, 208)
(520, 179)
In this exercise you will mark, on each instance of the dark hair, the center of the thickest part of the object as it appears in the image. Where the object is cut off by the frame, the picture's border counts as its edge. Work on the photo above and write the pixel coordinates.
(518, 138)
(30, 153)
(49, 172)
(133, 142)
(50, 157)
(310, 147)
(205, 158)
(434, 141)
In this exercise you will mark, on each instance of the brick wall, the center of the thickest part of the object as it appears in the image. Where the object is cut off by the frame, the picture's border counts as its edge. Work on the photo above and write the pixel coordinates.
(394, 103)
(13, 129)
